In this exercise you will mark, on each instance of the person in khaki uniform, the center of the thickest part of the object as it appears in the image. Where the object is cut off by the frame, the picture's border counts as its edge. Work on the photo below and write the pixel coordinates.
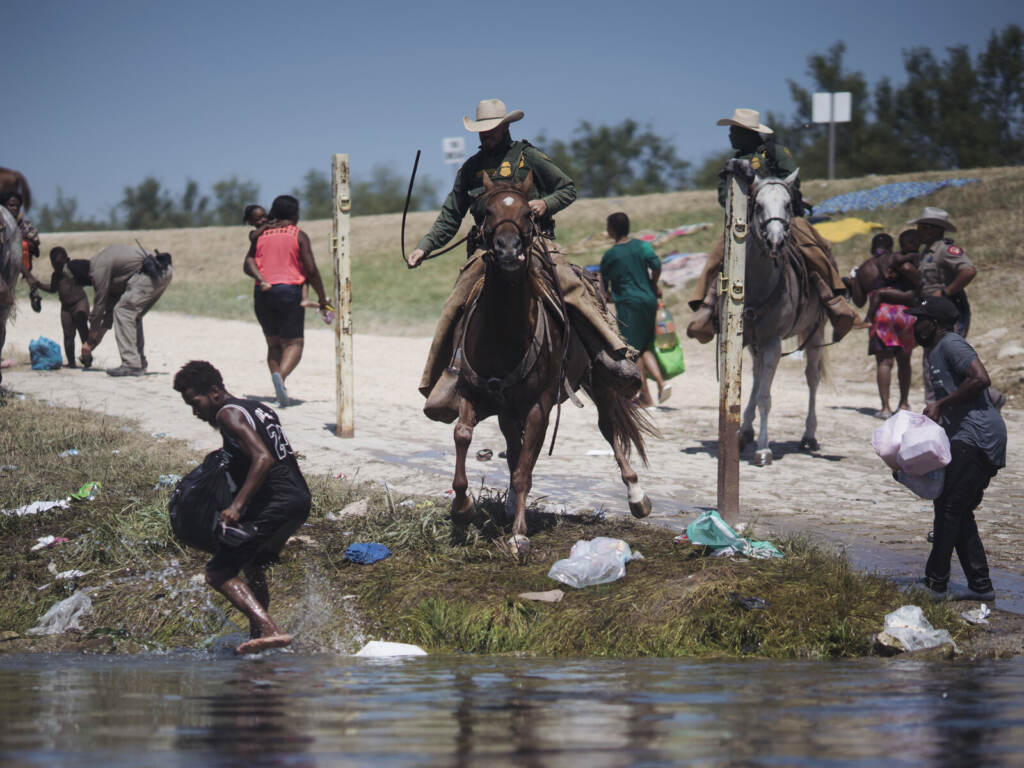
(754, 145)
(126, 283)
(503, 159)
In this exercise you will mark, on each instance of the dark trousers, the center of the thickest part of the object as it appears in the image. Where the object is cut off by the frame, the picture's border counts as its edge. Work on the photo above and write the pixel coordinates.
(967, 477)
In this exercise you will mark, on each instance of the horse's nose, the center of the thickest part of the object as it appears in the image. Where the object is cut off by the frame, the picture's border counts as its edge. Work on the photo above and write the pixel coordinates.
(507, 244)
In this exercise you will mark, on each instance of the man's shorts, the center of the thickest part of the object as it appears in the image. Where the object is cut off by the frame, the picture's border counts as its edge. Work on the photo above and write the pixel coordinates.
(280, 311)
(274, 519)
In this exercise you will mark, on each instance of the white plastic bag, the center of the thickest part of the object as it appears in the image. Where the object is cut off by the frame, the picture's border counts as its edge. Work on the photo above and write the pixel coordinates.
(924, 447)
(914, 632)
(65, 615)
(887, 436)
(928, 486)
(382, 649)
(599, 561)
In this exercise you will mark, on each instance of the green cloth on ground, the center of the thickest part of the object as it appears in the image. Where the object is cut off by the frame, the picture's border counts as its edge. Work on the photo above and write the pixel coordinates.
(710, 530)
(624, 269)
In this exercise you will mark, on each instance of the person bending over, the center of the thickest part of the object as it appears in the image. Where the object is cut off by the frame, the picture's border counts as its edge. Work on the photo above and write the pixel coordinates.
(272, 502)
(281, 257)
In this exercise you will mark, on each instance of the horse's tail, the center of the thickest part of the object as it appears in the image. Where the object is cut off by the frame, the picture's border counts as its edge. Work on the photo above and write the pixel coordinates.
(630, 424)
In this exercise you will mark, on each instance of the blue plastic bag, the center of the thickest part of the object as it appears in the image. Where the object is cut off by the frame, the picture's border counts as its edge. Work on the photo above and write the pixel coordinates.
(366, 552)
(45, 354)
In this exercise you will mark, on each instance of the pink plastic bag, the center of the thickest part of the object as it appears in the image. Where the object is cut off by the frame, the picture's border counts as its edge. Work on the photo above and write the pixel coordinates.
(887, 436)
(924, 447)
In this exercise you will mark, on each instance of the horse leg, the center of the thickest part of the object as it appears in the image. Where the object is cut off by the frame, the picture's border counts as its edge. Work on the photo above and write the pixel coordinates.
(462, 504)
(522, 476)
(765, 374)
(606, 400)
(513, 433)
(812, 373)
(746, 436)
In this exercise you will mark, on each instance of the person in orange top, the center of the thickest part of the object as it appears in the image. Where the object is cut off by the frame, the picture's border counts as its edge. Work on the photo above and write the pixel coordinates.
(280, 259)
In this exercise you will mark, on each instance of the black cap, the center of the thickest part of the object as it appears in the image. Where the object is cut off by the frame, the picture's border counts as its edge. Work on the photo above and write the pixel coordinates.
(938, 308)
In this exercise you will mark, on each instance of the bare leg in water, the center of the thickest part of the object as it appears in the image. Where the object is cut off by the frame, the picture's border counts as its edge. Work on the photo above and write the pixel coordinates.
(256, 580)
(241, 596)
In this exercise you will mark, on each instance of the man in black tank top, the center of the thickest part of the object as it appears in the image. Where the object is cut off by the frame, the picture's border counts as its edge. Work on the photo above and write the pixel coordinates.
(272, 501)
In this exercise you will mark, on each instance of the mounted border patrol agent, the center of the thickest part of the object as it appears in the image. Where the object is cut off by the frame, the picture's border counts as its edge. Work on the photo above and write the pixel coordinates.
(503, 159)
(757, 151)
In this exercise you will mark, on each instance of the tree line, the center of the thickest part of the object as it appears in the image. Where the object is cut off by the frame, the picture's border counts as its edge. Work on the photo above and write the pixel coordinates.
(954, 112)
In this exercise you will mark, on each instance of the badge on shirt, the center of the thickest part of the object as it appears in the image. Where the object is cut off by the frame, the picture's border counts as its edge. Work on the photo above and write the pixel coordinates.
(956, 250)
(505, 170)
(755, 162)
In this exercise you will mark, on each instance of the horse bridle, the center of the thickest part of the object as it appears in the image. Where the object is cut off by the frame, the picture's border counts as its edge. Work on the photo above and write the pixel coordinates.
(526, 238)
(762, 226)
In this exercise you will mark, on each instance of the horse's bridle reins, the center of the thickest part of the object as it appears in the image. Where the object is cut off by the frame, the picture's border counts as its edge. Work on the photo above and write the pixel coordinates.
(525, 238)
(762, 226)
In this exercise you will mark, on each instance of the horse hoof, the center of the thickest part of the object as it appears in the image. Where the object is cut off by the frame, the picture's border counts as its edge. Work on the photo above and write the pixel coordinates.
(461, 516)
(763, 457)
(809, 444)
(520, 547)
(745, 438)
(641, 508)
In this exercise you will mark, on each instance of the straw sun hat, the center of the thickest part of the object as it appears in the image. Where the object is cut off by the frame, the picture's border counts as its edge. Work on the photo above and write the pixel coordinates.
(746, 118)
(490, 113)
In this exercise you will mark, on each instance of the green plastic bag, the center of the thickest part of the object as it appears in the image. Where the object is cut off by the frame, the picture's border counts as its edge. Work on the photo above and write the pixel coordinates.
(666, 347)
(710, 530)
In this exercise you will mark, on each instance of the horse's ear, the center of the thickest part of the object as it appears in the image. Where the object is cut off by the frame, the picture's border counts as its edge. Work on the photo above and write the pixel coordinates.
(789, 180)
(527, 183)
(488, 184)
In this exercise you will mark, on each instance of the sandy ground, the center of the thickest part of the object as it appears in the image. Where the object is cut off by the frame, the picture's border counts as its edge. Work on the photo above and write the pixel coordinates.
(841, 493)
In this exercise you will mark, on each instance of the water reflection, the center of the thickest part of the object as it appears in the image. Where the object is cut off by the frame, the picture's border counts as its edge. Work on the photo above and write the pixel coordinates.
(290, 710)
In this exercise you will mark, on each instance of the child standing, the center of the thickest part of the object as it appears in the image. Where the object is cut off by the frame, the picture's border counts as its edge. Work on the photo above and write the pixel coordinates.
(67, 281)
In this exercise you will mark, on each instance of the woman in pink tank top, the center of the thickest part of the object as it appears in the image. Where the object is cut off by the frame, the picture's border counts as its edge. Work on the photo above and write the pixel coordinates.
(280, 259)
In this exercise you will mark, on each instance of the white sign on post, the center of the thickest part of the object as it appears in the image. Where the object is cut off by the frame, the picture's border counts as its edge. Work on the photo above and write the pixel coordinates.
(454, 149)
(832, 107)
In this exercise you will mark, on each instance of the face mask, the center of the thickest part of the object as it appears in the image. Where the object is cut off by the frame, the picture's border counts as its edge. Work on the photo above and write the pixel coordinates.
(923, 336)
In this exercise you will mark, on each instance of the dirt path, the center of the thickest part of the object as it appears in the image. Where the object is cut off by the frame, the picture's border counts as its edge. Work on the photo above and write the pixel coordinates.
(842, 492)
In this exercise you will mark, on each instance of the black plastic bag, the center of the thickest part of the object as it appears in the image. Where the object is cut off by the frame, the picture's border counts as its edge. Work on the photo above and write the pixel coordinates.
(197, 501)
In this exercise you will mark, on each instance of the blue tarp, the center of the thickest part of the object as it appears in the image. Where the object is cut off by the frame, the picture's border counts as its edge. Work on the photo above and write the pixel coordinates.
(885, 196)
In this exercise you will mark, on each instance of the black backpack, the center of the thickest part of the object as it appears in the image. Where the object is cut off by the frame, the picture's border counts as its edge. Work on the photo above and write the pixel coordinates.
(197, 501)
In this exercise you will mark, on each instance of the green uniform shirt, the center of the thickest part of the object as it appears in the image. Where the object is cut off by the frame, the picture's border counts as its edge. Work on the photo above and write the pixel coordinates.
(511, 160)
(763, 167)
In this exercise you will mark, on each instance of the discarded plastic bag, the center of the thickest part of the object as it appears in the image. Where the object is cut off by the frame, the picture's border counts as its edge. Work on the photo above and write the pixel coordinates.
(908, 625)
(598, 561)
(88, 491)
(924, 447)
(45, 354)
(710, 530)
(35, 508)
(928, 486)
(65, 615)
(977, 615)
(366, 553)
(381, 649)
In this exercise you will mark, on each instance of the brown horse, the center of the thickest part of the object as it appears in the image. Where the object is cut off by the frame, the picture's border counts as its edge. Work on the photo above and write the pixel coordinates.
(13, 181)
(511, 352)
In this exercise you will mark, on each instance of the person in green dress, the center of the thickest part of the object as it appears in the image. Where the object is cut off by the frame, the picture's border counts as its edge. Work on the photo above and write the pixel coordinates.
(629, 274)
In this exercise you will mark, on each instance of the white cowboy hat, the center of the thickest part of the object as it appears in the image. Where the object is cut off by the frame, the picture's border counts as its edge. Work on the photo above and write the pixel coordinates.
(746, 118)
(934, 216)
(490, 113)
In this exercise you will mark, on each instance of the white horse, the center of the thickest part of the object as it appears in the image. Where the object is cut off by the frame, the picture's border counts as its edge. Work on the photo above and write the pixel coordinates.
(10, 268)
(780, 302)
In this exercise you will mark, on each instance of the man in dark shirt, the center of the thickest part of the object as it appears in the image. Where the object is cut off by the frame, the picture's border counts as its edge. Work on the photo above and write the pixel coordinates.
(977, 439)
(272, 502)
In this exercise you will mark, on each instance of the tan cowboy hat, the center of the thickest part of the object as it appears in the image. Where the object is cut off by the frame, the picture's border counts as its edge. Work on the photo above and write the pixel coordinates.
(490, 113)
(746, 118)
(934, 216)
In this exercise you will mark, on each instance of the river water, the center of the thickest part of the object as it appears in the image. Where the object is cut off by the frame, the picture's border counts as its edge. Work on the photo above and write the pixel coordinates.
(283, 709)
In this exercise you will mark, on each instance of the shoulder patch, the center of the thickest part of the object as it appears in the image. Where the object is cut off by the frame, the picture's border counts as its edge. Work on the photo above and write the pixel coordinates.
(956, 250)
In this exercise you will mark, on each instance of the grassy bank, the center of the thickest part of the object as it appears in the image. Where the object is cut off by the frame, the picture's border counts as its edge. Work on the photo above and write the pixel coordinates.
(445, 590)
(388, 298)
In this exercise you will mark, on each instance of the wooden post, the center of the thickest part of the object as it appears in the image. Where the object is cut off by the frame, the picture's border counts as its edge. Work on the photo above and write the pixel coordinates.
(343, 367)
(730, 352)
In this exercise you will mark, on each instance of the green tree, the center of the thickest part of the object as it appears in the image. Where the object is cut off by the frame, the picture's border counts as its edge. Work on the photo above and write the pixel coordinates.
(147, 205)
(230, 198)
(623, 159)
(62, 216)
(384, 192)
(314, 195)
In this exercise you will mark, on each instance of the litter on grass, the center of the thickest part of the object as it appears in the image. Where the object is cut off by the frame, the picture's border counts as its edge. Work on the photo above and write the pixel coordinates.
(598, 561)
(68, 452)
(35, 508)
(550, 596)
(167, 481)
(65, 615)
(366, 553)
(914, 632)
(47, 541)
(710, 530)
(977, 615)
(88, 491)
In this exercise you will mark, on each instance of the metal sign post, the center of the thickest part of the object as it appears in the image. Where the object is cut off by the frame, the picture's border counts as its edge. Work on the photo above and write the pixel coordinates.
(343, 365)
(831, 108)
(730, 352)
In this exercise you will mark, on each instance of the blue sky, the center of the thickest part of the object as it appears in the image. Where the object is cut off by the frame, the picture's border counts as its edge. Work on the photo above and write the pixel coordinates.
(107, 93)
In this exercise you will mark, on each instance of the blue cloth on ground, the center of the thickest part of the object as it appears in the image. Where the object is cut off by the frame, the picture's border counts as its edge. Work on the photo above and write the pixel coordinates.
(45, 354)
(366, 553)
(885, 196)
(710, 530)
